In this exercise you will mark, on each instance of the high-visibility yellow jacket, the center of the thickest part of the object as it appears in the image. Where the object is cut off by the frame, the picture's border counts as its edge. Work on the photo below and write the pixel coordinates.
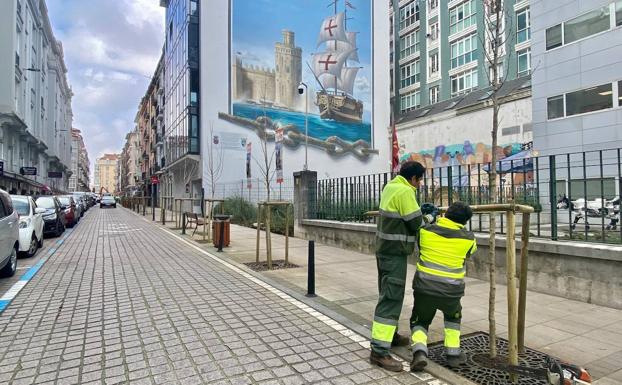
(400, 218)
(443, 249)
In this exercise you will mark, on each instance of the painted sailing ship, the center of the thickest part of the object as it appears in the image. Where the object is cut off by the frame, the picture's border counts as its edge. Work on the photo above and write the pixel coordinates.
(332, 71)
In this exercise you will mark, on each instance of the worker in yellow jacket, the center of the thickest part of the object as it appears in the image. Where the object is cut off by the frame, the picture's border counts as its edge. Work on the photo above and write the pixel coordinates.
(439, 282)
(398, 226)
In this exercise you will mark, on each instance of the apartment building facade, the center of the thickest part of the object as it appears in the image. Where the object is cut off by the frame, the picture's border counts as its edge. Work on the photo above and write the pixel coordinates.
(35, 101)
(106, 173)
(80, 168)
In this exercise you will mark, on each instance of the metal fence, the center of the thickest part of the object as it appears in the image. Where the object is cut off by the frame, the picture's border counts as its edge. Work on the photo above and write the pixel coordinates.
(256, 191)
(576, 195)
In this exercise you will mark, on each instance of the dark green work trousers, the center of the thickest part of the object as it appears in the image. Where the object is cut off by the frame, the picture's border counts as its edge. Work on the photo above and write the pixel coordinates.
(391, 287)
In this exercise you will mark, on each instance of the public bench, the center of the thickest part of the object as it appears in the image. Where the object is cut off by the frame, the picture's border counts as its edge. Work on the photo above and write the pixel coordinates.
(194, 219)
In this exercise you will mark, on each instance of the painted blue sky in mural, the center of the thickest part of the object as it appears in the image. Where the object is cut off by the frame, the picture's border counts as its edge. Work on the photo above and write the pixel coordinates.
(257, 26)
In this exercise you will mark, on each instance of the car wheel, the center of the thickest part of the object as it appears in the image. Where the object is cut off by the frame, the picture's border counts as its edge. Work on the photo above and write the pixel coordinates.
(11, 266)
(114, 206)
(34, 245)
(59, 229)
(40, 243)
(101, 206)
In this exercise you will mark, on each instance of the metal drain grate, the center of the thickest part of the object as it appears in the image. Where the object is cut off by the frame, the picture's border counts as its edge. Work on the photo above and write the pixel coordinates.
(479, 367)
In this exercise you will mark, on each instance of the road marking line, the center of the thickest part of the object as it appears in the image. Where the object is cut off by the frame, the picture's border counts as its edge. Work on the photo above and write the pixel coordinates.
(6, 299)
(335, 325)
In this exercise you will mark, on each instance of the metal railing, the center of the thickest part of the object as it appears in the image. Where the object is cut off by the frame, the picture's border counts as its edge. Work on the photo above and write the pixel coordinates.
(576, 196)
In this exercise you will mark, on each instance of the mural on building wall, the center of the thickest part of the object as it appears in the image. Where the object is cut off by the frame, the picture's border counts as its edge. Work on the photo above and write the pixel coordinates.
(461, 154)
(325, 45)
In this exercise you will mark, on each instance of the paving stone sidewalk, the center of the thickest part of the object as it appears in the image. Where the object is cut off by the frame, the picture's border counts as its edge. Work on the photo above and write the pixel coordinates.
(124, 302)
(581, 333)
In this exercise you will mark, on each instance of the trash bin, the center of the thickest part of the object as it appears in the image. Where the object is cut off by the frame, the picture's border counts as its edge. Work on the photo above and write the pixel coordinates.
(221, 223)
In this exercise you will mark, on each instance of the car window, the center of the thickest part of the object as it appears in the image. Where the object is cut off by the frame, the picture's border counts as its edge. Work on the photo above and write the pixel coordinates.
(46, 202)
(8, 207)
(2, 212)
(21, 205)
(64, 200)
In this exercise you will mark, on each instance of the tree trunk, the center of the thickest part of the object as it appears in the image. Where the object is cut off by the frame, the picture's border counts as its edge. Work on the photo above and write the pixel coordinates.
(492, 228)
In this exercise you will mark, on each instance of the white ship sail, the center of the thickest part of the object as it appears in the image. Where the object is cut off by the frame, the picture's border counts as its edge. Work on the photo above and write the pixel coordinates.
(341, 46)
(329, 63)
(333, 28)
(344, 82)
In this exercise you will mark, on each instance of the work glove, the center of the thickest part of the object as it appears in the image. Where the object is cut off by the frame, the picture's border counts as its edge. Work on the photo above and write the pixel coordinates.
(430, 212)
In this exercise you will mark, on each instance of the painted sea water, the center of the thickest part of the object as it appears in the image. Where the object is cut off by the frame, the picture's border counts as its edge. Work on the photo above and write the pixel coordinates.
(318, 128)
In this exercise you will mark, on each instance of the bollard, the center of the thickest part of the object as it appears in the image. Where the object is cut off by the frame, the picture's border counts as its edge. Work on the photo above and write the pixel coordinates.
(183, 223)
(144, 206)
(221, 236)
(311, 271)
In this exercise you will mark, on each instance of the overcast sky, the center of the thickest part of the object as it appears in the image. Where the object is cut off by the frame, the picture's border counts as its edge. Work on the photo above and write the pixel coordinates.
(111, 49)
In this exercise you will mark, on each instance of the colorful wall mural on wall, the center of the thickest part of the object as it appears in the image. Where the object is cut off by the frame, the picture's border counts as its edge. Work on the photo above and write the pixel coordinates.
(461, 154)
(277, 45)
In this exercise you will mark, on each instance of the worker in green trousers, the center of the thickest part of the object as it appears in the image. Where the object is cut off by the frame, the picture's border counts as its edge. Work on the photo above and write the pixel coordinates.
(439, 282)
(398, 226)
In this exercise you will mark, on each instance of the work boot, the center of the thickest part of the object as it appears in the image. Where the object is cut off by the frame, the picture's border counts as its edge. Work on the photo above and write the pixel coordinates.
(455, 361)
(400, 340)
(386, 362)
(420, 361)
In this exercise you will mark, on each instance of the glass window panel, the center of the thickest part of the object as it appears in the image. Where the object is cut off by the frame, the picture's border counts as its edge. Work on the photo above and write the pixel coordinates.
(555, 107)
(620, 93)
(554, 37)
(619, 12)
(592, 99)
(587, 25)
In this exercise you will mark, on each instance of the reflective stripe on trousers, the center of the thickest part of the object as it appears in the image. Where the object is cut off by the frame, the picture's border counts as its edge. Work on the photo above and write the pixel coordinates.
(382, 331)
(452, 338)
(419, 339)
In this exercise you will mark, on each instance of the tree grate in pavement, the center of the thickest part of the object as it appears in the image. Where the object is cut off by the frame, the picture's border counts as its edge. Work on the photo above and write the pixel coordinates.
(278, 264)
(479, 367)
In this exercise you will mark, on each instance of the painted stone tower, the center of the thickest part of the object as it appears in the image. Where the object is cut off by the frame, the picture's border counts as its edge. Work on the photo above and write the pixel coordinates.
(288, 61)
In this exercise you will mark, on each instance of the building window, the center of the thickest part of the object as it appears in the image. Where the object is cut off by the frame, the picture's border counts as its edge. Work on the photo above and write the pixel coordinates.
(492, 6)
(581, 102)
(409, 15)
(620, 93)
(194, 8)
(619, 13)
(523, 26)
(433, 4)
(464, 51)
(554, 37)
(524, 62)
(462, 17)
(433, 62)
(555, 107)
(409, 44)
(434, 31)
(410, 101)
(434, 95)
(410, 74)
(588, 100)
(463, 82)
(491, 74)
(586, 25)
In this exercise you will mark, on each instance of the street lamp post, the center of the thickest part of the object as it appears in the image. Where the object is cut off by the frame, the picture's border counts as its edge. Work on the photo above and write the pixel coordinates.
(302, 89)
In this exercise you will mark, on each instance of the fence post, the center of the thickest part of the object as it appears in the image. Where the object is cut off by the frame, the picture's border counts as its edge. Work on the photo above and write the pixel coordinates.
(553, 196)
(183, 223)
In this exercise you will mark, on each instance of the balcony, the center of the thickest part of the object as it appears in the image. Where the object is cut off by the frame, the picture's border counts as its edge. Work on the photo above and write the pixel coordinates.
(160, 113)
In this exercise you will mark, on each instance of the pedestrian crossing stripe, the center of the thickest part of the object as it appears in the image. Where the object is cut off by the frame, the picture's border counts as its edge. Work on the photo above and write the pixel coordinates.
(6, 299)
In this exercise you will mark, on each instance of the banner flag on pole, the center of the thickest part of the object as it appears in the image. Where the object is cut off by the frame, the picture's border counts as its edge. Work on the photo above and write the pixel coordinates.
(249, 149)
(278, 149)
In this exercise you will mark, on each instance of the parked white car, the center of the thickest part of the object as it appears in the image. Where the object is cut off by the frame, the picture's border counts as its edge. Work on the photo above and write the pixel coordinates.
(30, 224)
(9, 236)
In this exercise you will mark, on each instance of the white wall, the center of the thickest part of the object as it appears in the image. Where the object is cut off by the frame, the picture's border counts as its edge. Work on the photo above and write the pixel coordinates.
(215, 90)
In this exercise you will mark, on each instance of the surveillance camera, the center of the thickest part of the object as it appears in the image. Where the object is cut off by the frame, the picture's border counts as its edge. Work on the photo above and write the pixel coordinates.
(301, 90)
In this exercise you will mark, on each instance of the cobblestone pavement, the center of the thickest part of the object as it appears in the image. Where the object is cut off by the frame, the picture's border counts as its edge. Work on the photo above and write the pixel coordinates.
(123, 301)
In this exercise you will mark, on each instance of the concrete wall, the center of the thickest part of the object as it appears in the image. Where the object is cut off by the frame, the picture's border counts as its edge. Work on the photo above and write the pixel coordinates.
(589, 62)
(590, 273)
